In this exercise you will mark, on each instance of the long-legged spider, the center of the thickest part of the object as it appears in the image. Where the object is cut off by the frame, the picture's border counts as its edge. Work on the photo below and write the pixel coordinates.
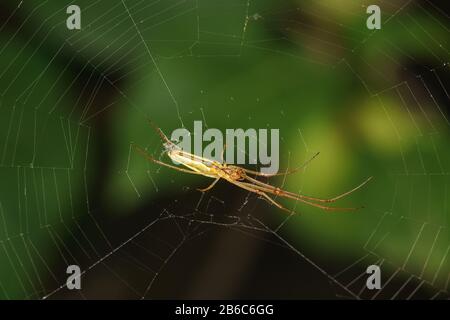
(240, 176)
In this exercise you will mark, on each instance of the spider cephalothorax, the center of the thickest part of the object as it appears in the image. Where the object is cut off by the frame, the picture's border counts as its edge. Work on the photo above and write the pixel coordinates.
(234, 173)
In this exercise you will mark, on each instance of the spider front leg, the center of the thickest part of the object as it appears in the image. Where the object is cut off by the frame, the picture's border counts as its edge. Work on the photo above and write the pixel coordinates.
(287, 194)
(279, 192)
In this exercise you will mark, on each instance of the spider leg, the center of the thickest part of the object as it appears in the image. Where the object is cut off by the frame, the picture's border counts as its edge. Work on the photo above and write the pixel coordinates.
(287, 194)
(270, 200)
(295, 196)
(149, 157)
(262, 194)
(350, 191)
(210, 186)
(281, 193)
(257, 173)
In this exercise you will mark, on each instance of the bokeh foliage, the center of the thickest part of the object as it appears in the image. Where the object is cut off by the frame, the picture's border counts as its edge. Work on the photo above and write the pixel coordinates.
(310, 68)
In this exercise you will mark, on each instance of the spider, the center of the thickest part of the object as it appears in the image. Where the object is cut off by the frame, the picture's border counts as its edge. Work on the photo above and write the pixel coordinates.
(239, 176)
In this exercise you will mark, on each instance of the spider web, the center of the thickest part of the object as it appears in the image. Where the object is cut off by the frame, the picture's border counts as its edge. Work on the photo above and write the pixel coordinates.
(54, 214)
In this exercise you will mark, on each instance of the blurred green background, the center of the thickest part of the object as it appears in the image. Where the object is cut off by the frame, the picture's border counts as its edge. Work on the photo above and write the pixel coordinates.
(374, 103)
